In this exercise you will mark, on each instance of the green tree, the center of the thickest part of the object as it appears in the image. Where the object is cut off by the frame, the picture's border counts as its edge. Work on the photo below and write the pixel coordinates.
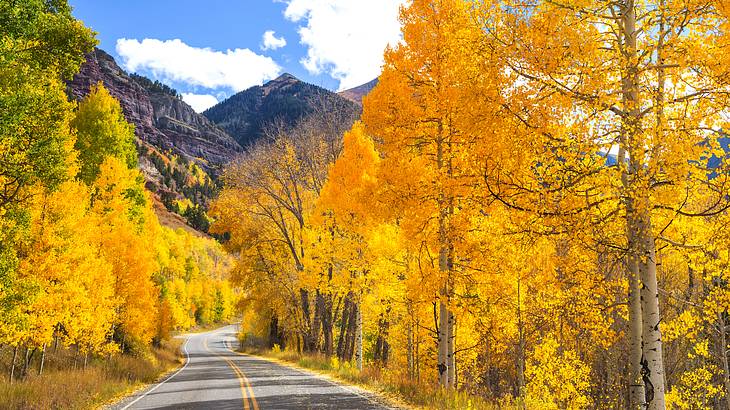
(41, 45)
(102, 132)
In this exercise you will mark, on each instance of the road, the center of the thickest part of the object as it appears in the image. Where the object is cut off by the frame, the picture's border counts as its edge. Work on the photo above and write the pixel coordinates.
(216, 377)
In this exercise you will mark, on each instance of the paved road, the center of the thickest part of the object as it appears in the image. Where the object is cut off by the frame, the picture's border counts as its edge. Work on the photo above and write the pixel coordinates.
(216, 377)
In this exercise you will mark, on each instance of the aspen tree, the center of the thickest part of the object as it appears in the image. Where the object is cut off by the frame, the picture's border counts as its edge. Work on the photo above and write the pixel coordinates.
(421, 115)
(632, 78)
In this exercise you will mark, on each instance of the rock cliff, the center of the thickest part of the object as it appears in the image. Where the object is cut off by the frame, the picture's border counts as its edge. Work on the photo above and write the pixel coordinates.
(161, 119)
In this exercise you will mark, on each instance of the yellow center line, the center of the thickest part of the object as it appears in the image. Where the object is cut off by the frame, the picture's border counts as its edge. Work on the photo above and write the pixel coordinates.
(248, 385)
(239, 376)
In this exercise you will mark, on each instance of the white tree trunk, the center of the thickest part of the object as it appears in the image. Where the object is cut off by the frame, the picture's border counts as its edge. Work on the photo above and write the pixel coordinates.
(443, 349)
(638, 229)
(651, 333)
(636, 387)
(450, 357)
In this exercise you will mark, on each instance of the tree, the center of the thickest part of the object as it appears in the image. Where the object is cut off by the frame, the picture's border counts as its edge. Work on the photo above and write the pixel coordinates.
(634, 79)
(102, 132)
(423, 114)
(126, 234)
(42, 45)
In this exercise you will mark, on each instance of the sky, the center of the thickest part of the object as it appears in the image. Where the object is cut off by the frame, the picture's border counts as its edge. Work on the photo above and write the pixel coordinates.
(209, 50)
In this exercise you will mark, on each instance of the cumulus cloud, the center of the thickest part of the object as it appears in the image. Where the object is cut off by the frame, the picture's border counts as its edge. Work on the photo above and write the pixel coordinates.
(173, 60)
(346, 38)
(199, 102)
(271, 42)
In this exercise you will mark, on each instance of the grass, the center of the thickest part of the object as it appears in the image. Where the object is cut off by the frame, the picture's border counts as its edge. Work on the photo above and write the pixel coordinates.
(103, 380)
(399, 391)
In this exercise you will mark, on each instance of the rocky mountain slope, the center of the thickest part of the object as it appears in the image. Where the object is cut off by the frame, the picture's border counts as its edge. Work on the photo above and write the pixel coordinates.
(356, 94)
(181, 151)
(286, 99)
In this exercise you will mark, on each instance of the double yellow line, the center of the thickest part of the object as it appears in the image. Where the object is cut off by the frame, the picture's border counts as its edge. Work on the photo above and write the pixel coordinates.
(242, 380)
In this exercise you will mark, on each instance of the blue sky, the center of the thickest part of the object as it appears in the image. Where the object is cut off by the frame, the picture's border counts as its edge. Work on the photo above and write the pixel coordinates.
(210, 49)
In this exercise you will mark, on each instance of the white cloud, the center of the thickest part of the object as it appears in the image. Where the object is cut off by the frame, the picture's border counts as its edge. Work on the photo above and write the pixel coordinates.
(346, 38)
(199, 102)
(174, 60)
(271, 42)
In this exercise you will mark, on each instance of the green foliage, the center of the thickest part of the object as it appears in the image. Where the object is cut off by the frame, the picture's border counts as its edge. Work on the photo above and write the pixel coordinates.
(41, 45)
(47, 36)
(35, 140)
(154, 86)
(197, 218)
(102, 131)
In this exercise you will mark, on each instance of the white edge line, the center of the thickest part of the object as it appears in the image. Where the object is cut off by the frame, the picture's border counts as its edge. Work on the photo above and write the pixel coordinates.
(187, 360)
(336, 383)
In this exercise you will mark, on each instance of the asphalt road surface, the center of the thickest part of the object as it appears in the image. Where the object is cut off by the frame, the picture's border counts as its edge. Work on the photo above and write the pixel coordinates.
(216, 377)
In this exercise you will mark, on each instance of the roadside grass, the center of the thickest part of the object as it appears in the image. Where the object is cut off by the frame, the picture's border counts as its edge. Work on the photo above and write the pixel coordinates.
(103, 380)
(399, 391)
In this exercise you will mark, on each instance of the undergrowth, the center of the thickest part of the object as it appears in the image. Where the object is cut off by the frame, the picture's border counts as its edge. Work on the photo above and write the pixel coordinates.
(63, 387)
(400, 390)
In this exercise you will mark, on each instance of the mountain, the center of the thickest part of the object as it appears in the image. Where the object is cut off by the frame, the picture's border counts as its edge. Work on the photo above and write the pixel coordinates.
(181, 151)
(356, 94)
(286, 99)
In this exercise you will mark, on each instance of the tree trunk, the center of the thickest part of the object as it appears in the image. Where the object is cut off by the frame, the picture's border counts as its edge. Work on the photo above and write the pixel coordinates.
(351, 331)
(520, 347)
(409, 344)
(12, 364)
(638, 217)
(43, 359)
(636, 386)
(307, 321)
(382, 349)
(28, 358)
(651, 334)
(276, 334)
(417, 351)
(443, 337)
(327, 325)
(450, 357)
(316, 322)
(358, 337)
(342, 341)
(722, 352)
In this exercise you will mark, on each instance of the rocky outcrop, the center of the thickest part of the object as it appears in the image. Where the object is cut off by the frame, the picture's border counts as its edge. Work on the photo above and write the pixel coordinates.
(161, 119)
(181, 151)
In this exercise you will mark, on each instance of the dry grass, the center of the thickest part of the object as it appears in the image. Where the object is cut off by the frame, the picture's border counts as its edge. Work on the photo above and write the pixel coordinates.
(61, 387)
(401, 391)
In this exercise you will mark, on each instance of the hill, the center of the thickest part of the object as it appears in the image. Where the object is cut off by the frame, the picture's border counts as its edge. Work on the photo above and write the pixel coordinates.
(181, 151)
(286, 99)
(356, 94)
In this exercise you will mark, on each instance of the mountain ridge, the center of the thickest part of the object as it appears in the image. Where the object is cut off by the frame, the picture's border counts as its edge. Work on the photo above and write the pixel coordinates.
(356, 94)
(285, 99)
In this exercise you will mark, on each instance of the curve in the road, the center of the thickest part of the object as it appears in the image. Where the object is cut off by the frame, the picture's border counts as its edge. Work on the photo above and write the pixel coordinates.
(214, 376)
(245, 386)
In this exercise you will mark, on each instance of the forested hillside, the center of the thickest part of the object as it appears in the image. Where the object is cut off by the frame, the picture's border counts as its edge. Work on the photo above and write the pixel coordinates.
(181, 152)
(470, 234)
(285, 101)
(85, 265)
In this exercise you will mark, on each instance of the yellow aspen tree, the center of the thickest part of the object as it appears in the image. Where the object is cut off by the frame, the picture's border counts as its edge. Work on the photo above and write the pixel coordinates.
(344, 205)
(628, 80)
(126, 233)
(423, 116)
